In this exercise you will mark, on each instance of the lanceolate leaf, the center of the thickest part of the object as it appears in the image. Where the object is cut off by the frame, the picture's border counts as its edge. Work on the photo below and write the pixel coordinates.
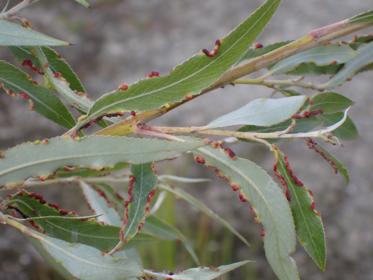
(362, 59)
(105, 202)
(261, 112)
(34, 159)
(78, 261)
(321, 56)
(12, 34)
(255, 52)
(268, 202)
(44, 101)
(346, 131)
(140, 192)
(59, 224)
(189, 78)
(200, 273)
(308, 223)
(199, 205)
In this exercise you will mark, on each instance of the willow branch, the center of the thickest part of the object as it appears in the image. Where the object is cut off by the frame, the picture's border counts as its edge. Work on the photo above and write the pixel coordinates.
(314, 38)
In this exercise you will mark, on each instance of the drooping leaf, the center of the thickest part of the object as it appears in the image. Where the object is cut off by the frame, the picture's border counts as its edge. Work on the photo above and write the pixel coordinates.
(141, 186)
(12, 34)
(363, 58)
(321, 56)
(199, 205)
(44, 101)
(267, 201)
(33, 159)
(330, 102)
(308, 223)
(335, 163)
(189, 78)
(78, 261)
(103, 199)
(261, 112)
(199, 273)
(59, 224)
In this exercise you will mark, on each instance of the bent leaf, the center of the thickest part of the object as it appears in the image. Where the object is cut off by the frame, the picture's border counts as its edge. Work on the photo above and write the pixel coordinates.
(261, 112)
(12, 34)
(308, 224)
(141, 184)
(34, 159)
(60, 224)
(189, 78)
(199, 273)
(44, 101)
(320, 56)
(269, 204)
(199, 205)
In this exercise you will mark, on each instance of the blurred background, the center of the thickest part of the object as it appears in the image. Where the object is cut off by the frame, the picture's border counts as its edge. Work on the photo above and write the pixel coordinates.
(120, 41)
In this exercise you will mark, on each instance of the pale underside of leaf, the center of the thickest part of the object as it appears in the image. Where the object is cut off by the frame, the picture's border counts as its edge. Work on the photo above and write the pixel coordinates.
(12, 34)
(31, 160)
(321, 56)
(269, 203)
(261, 112)
(362, 59)
(200, 273)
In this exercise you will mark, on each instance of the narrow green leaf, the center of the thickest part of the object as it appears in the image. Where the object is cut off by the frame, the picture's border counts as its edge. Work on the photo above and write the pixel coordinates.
(142, 183)
(261, 112)
(56, 223)
(339, 167)
(269, 204)
(199, 273)
(45, 102)
(78, 261)
(321, 56)
(181, 194)
(330, 102)
(189, 78)
(34, 159)
(60, 65)
(12, 34)
(366, 17)
(308, 224)
(83, 2)
(362, 59)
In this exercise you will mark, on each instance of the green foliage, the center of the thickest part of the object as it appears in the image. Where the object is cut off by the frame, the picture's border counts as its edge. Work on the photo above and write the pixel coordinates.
(15, 81)
(106, 245)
